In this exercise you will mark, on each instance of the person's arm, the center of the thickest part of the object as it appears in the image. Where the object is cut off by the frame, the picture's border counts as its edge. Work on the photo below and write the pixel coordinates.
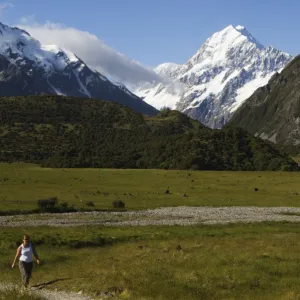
(35, 255)
(17, 256)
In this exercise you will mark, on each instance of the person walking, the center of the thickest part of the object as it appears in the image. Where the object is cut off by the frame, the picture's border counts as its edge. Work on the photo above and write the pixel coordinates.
(25, 254)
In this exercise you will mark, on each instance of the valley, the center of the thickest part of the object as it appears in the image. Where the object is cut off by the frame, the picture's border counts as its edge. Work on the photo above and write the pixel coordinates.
(142, 179)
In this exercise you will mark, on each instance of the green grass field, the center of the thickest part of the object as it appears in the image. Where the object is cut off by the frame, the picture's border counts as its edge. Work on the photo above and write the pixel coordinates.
(21, 185)
(199, 262)
(253, 261)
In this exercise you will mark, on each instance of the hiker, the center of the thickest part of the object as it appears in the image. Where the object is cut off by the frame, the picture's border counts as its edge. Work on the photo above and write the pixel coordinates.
(25, 254)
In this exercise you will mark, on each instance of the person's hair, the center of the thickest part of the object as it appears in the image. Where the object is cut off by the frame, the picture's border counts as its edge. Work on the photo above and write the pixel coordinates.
(26, 237)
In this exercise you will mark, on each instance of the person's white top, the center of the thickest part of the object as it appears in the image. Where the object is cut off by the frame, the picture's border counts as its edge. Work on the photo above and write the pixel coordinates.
(26, 253)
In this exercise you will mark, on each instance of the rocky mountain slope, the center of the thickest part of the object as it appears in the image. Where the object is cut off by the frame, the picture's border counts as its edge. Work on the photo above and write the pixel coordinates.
(273, 111)
(212, 84)
(29, 68)
(58, 131)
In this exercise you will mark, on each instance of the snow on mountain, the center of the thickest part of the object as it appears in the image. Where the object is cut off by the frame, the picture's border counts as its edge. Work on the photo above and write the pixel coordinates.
(17, 45)
(213, 83)
(170, 70)
(28, 67)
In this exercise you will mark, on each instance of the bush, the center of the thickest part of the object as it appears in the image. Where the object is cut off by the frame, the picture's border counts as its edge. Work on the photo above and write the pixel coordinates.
(64, 205)
(118, 204)
(194, 167)
(51, 205)
(47, 204)
(90, 203)
(286, 168)
(275, 164)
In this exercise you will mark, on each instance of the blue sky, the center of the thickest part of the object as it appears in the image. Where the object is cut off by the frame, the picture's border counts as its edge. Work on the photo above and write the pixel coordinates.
(159, 31)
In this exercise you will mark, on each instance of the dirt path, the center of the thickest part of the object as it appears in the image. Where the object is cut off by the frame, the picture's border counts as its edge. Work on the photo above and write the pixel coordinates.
(47, 294)
(161, 216)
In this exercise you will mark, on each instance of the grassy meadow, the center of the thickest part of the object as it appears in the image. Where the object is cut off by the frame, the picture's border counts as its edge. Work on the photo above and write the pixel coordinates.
(198, 262)
(21, 185)
(237, 261)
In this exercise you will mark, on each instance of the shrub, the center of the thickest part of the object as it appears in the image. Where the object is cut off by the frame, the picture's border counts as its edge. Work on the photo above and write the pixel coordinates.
(194, 167)
(90, 203)
(118, 204)
(47, 204)
(286, 168)
(51, 205)
(64, 205)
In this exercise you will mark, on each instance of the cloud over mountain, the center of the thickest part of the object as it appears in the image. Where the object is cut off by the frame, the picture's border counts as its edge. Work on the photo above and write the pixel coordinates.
(92, 50)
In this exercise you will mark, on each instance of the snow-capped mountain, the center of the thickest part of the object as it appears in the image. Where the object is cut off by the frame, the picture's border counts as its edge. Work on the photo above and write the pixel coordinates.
(212, 84)
(27, 67)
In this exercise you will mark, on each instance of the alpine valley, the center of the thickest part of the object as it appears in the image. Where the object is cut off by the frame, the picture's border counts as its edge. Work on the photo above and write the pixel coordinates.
(29, 68)
(215, 82)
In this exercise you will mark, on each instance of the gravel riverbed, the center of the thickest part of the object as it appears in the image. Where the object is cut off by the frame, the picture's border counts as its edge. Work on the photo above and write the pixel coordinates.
(161, 216)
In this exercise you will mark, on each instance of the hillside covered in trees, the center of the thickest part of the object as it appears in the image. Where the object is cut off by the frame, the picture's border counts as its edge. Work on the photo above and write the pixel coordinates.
(57, 131)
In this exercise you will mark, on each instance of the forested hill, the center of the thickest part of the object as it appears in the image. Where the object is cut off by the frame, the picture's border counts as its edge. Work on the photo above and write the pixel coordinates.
(58, 131)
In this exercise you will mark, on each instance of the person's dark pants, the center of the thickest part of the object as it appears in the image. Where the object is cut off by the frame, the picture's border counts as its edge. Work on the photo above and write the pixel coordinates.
(25, 270)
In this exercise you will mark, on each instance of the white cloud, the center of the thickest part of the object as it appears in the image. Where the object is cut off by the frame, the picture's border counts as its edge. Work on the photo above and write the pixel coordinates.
(5, 6)
(93, 51)
(27, 19)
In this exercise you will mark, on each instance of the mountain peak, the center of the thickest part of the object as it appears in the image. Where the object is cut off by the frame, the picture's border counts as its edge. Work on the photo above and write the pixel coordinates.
(221, 44)
(233, 35)
(29, 67)
(9, 29)
(18, 47)
(222, 74)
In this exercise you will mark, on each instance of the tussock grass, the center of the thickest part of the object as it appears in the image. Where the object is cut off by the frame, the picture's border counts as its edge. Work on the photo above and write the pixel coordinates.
(22, 185)
(200, 262)
(17, 294)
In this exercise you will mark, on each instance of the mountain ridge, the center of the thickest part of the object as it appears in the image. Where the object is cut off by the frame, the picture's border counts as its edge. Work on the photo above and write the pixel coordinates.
(273, 111)
(28, 67)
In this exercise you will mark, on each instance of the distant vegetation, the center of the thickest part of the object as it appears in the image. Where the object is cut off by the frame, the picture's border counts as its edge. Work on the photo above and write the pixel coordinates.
(67, 132)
